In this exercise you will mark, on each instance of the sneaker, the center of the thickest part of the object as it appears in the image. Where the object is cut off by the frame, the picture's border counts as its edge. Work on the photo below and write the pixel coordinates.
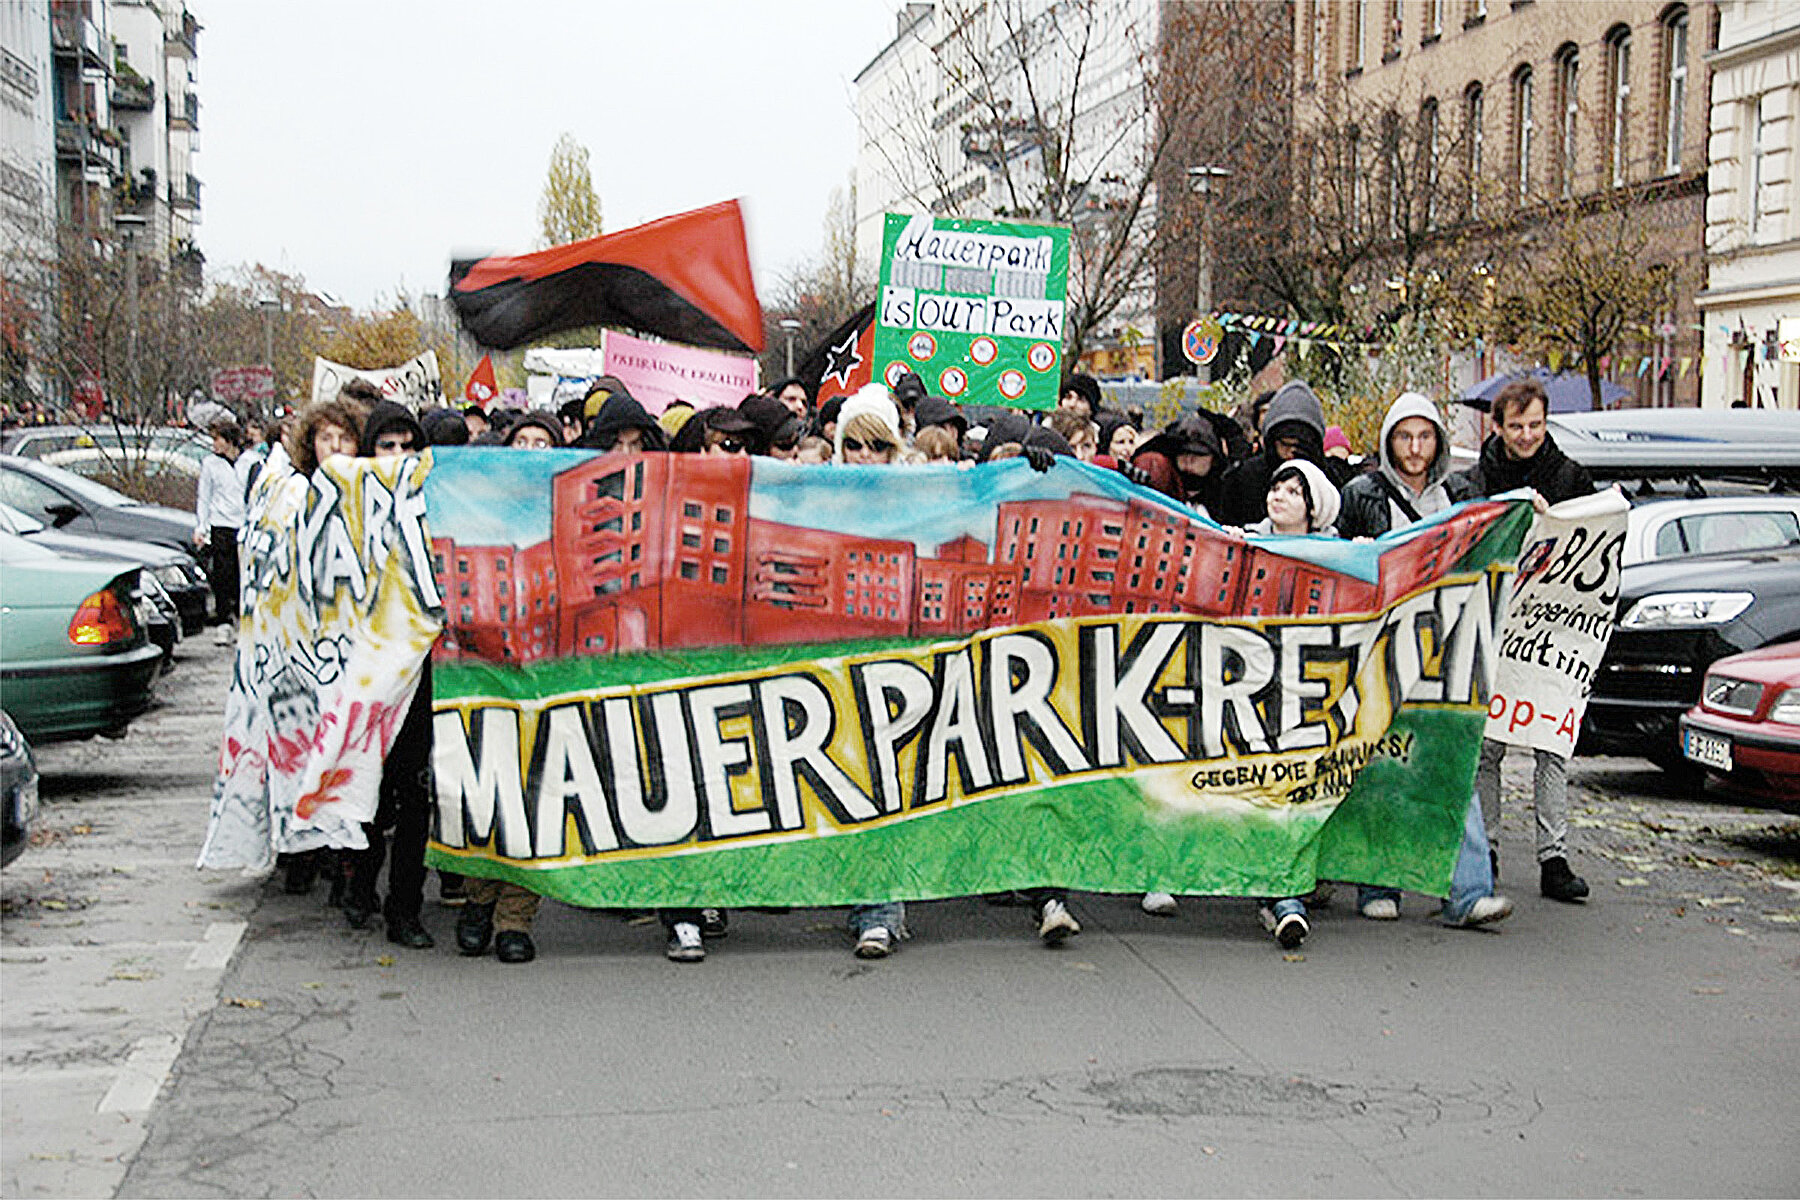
(1159, 904)
(712, 923)
(1056, 924)
(1485, 911)
(225, 635)
(685, 944)
(1290, 929)
(1558, 882)
(875, 943)
(1381, 909)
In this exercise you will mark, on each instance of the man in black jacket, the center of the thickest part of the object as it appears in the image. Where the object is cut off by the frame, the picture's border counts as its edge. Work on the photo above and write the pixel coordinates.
(1520, 453)
(1293, 427)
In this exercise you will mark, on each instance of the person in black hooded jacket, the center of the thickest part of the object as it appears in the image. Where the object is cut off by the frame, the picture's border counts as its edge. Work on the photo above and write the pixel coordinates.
(405, 798)
(622, 424)
(1293, 427)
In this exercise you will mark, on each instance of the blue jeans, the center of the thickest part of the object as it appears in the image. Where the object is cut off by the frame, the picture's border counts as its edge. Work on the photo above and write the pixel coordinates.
(1472, 878)
(1290, 904)
(890, 916)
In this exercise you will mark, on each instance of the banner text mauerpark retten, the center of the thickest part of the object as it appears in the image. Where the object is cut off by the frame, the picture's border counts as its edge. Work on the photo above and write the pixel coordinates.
(671, 680)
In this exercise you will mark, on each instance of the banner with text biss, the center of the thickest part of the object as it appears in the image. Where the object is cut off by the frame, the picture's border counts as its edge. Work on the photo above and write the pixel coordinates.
(975, 308)
(1559, 623)
(672, 680)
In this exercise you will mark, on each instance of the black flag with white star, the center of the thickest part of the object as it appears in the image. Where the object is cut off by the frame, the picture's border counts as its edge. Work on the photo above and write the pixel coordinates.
(844, 361)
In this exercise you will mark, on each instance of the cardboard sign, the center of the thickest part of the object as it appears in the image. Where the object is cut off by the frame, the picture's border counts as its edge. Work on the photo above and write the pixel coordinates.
(975, 308)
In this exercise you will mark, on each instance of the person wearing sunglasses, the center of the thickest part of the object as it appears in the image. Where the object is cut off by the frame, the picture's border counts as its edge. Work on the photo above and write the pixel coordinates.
(716, 431)
(868, 428)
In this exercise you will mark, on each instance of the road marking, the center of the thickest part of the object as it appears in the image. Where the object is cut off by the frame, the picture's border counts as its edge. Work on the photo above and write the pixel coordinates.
(142, 1074)
(37, 954)
(216, 946)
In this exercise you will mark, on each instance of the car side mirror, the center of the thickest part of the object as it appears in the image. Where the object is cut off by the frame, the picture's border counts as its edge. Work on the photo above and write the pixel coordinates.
(61, 514)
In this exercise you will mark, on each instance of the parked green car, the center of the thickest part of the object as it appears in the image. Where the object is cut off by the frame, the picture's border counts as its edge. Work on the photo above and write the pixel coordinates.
(74, 656)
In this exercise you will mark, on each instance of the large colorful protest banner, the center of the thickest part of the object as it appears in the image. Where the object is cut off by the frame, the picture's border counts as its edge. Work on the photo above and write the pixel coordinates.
(976, 308)
(415, 383)
(674, 680)
(1559, 622)
(340, 610)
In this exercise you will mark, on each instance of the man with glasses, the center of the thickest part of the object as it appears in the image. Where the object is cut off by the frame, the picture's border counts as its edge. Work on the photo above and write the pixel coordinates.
(1407, 486)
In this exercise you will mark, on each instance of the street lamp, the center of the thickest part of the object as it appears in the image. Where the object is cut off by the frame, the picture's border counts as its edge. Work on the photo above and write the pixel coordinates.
(129, 226)
(269, 305)
(1200, 182)
(790, 326)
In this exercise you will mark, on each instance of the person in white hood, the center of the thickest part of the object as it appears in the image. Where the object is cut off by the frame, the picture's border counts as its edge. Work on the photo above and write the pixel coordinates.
(1407, 487)
(1409, 482)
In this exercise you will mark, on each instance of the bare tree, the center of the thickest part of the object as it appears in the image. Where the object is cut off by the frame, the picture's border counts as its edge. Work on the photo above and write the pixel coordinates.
(1058, 113)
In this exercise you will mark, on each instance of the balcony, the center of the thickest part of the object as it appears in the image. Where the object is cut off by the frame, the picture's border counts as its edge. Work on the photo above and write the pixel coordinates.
(131, 91)
(80, 142)
(72, 35)
(186, 113)
(185, 192)
(185, 41)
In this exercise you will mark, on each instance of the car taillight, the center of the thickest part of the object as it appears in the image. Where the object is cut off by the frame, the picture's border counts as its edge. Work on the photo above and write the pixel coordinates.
(101, 620)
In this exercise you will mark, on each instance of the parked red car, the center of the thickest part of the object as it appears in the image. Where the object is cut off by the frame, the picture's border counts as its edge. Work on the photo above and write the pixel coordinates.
(1746, 728)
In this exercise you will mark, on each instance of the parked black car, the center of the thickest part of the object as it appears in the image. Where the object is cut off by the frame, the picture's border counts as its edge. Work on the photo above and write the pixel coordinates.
(1676, 617)
(66, 501)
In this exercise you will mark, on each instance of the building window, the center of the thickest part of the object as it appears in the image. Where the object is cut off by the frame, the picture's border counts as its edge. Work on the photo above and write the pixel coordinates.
(1760, 114)
(1675, 46)
(1523, 130)
(1359, 33)
(691, 511)
(1316, 44)
(1395, 27)
(1618, 84)
(722, 515)
(690, 569)
(1434, 28)
(1472, 133)
(720, 575)
(1428, 151)
(1568, 107)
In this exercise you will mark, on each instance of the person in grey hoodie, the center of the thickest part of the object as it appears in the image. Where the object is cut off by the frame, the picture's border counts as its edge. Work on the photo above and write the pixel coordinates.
(1408, 484)
(1293, 427)
(1407, 487)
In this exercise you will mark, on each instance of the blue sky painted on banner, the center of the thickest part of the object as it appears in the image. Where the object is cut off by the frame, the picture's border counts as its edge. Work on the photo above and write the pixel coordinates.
(490, 497)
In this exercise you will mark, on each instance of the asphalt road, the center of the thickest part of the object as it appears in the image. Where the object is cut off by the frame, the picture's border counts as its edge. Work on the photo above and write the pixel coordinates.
(172, 1034)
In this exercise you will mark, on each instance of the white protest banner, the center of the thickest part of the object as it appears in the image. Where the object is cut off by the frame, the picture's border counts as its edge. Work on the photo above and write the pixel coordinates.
(1558, 623)
(658, 373)
(415, 383)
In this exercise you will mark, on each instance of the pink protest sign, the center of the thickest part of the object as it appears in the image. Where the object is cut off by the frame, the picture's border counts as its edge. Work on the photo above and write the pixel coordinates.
(659, 372)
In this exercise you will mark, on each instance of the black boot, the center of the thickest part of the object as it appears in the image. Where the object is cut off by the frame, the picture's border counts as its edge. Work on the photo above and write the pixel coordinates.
(300, 871)
(359, 908)
(1558, 882)
(474, 929)
(409, 932)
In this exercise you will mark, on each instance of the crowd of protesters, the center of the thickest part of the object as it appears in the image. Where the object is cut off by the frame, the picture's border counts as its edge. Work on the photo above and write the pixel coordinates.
(1275, 467)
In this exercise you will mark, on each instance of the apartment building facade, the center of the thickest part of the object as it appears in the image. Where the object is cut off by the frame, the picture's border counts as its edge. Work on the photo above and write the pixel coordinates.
(1524, 104)
(1751, 306)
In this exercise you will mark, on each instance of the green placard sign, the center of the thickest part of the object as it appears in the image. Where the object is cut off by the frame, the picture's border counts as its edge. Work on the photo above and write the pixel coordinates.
(976, 308)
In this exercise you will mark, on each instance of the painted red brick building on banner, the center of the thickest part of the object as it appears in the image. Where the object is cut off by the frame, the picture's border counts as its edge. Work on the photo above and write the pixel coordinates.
(660, 551)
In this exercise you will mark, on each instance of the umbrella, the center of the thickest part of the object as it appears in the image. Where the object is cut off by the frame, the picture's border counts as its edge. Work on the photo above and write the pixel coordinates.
(1568, 391)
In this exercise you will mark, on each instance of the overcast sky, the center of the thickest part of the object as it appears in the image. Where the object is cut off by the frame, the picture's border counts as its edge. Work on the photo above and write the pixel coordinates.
(360, 143)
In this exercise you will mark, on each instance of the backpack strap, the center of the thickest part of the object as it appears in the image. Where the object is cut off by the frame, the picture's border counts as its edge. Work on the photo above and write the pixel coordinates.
(1400, 501)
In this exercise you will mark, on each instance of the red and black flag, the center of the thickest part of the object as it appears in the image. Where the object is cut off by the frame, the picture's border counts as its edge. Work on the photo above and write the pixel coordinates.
(685, 278)
(844, 361)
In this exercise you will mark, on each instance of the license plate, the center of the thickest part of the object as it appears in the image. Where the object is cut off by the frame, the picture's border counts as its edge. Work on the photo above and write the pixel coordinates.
(1707, 749)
